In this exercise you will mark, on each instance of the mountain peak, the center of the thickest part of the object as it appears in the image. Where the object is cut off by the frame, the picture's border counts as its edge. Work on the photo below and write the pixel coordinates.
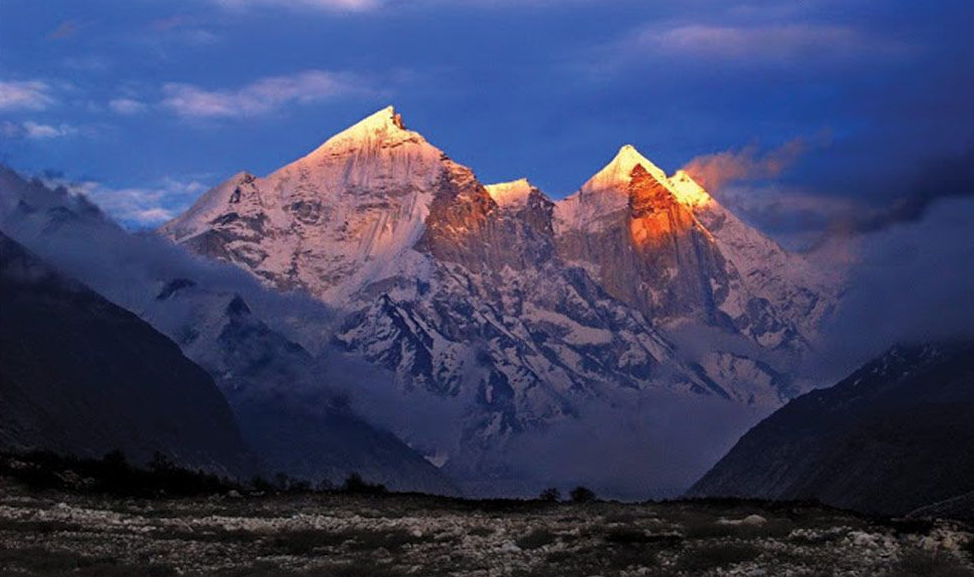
(385, 120)
(510, 194)
(383, 128)
(629, 150)
(617, 174)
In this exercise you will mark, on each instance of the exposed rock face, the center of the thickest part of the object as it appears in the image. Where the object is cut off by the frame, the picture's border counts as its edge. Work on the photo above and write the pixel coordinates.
(656, 256)
(890, 438)
(459, 227)
(84, 377)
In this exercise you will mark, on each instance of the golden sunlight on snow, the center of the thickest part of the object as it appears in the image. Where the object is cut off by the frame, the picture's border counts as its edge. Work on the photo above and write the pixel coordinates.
(688, 191)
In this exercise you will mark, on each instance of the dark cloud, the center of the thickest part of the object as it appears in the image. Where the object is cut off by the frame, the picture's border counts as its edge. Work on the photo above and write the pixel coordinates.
(912, 281)
(943, 177)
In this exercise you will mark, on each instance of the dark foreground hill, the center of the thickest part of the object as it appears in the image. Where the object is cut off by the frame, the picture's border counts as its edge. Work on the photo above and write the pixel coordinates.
(895, 436)
(81, 376)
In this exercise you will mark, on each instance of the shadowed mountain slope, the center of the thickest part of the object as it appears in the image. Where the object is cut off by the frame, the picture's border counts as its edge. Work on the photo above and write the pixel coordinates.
(896, 435)
(82, 376)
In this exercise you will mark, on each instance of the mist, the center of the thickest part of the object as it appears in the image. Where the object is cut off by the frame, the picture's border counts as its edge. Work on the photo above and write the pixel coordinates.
(912, 281)
(641, 445)
(132, 268)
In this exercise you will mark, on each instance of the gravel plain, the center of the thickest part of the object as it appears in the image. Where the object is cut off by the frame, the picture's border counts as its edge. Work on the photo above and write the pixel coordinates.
(341, 535)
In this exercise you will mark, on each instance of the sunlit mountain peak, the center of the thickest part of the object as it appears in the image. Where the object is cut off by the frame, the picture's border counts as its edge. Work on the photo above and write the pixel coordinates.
(688, 191)
(618, 173)
(513, 193)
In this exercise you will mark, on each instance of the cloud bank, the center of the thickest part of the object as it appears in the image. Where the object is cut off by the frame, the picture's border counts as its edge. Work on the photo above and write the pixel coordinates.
(36, 131)
(912, 282)
(25, 95)
(136, 207)
(262, 96)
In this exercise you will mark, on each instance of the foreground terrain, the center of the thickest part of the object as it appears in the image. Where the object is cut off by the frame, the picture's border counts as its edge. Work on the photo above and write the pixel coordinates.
(56, 533)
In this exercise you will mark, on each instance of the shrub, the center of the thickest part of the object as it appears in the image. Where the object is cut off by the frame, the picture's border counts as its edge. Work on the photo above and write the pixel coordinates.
(550, 495)
(304, 541)
(355, 484)
(261, 484)
(625, 557)
(391, 539)
(536, 539)
(111, 475)
(39, 561)
(282, 481)
(582, 495)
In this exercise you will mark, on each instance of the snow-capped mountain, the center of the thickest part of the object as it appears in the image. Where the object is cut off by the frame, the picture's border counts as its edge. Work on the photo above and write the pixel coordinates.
(330, 222)
(524, 311)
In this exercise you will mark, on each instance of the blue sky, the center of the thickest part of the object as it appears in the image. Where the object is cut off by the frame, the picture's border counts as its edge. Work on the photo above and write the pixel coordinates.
(814, 108)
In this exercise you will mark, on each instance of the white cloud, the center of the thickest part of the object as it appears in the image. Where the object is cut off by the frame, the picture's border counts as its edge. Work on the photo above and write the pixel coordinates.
(152, 216)
(127, 106)
(25, 95)
(36, 131)
(260, 97)
(139, 207)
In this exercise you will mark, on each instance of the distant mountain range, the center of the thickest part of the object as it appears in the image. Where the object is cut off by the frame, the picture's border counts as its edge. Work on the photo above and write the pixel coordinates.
(895, 436)
(373, 308)
(378, 285)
